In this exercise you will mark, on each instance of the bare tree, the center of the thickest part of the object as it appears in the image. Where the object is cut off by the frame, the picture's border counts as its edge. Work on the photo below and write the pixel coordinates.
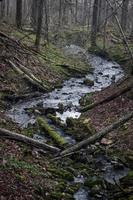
(39, 25)
(19, 13)
(124, 14)
(94, 23)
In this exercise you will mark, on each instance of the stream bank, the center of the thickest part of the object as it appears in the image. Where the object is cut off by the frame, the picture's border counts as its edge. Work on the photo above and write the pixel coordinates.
(108, 170)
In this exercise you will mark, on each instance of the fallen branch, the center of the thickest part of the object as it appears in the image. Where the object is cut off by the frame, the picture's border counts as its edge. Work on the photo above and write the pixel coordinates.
(21, 138)
(108, 99)
(15, 98)
(33, 81)
(99, 135)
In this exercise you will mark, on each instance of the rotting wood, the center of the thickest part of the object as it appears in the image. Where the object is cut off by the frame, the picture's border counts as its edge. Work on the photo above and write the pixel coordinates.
(6, 134)
(98, 135)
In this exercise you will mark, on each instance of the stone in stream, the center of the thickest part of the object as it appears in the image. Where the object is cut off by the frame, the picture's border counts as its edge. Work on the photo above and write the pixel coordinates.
(88, 82)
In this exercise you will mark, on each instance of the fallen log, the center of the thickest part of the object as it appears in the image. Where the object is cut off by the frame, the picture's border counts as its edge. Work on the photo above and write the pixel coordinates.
(44, 126)
(98, 135)
(14, 98)
(6, 134)
(32, 81)
(108, 99)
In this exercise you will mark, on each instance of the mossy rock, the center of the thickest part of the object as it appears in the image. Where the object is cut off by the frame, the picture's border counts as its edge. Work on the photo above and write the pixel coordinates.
(85, 100)
(88, 82)
(45, 127)
(92, 182)
(55, 120)
(79, 128)
(70, 122)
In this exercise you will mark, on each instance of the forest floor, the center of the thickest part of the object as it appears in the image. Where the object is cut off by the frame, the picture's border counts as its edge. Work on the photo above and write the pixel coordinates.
(27, 174)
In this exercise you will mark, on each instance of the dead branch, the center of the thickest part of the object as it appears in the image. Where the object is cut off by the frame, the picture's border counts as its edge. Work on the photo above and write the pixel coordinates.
(6, 134)
(33, 81)
(98, 135)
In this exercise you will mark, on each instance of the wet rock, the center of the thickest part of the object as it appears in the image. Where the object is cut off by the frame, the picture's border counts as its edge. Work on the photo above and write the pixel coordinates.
(88, 82)
(106, 141)
(40, 104)
(60, 107)
(70, 122)
(100, 73)
(113, 78)
(50, 111)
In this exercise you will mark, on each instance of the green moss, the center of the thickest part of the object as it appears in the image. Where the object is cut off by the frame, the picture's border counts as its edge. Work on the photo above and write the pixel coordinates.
(55, 120)
(61, 173)
(93, 181)
(86, 100)
(130, 198)
(79, 128)
(14, 163)
(88, 82)
(44, 126)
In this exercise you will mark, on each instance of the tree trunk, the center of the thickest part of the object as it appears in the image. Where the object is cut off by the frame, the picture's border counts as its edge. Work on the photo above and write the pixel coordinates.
(46, 7)
(99, 135)
(19, 13)
(34, 14)
(39, 25)
(85, 11)
(124, 14)
(76, 11)
(94, 23)
(99, 15)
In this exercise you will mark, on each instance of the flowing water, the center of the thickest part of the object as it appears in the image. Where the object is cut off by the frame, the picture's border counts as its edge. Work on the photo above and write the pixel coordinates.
(104, 73)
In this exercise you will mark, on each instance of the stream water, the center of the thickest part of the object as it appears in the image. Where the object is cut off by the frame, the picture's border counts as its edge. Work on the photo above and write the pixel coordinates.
(104, 73)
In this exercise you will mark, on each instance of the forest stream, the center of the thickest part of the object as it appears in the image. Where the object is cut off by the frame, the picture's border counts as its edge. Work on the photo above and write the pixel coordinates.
(103, 73)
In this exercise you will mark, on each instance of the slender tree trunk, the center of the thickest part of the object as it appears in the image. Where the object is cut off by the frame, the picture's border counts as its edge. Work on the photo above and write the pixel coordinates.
(89, 13)
(76, 11)
(39, 25)
(85, 11)
(94, 23)
(34, 14)
(19, 13)
(124, 14)
(99, 15)
(60, 12)
(46, 7)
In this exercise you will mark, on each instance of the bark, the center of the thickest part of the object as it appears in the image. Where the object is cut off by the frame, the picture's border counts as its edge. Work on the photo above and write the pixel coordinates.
(6, 134)
(85, 11)
(99, 15)
(34, 14)
(98, 135)
(108, 99)
(19, 13)
(39, 25)
(60, 13)
(94, 23)
(76, 11)
(46, 7)
(124, 14)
